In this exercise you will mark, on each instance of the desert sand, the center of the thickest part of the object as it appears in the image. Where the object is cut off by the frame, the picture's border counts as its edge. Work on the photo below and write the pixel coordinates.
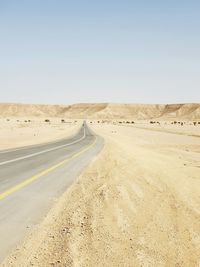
(137, 204)
(17, 132)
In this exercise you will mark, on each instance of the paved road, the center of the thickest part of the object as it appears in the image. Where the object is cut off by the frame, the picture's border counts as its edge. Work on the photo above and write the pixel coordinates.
(31, 178)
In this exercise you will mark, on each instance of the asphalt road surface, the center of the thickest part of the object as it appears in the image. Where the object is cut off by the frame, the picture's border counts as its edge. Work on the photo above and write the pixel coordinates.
(32, 177)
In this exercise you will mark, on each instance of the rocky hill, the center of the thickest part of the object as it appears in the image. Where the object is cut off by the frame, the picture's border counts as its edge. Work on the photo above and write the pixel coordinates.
(104, 111)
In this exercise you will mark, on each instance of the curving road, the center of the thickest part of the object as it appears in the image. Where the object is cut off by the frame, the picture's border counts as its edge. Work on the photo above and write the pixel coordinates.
(32, 177)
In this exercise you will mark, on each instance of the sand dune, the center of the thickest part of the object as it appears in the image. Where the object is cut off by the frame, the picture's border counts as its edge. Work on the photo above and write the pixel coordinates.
(104, 111)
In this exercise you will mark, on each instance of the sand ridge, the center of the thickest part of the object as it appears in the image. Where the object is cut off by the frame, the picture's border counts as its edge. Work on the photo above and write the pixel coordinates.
(104, 111)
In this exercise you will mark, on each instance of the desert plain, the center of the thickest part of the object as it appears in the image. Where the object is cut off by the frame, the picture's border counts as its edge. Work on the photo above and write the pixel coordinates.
(138, 201)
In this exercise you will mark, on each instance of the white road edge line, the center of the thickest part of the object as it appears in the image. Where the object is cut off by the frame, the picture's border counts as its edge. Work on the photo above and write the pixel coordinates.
(43, 151)
(30, 146)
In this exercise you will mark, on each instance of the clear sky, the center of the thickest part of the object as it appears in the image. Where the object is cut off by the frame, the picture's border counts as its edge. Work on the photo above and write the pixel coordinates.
(61, 51)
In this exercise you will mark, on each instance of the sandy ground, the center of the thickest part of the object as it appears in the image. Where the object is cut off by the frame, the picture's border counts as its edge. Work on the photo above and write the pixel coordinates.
(17, 132)
(137, 204)
(187, 128)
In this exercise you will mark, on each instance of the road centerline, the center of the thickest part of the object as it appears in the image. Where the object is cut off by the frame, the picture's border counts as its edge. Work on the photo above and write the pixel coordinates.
(43, 151)
(44, 172)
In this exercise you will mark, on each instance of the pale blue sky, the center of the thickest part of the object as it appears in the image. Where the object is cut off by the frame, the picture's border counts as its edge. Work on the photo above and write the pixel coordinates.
(99, 51)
